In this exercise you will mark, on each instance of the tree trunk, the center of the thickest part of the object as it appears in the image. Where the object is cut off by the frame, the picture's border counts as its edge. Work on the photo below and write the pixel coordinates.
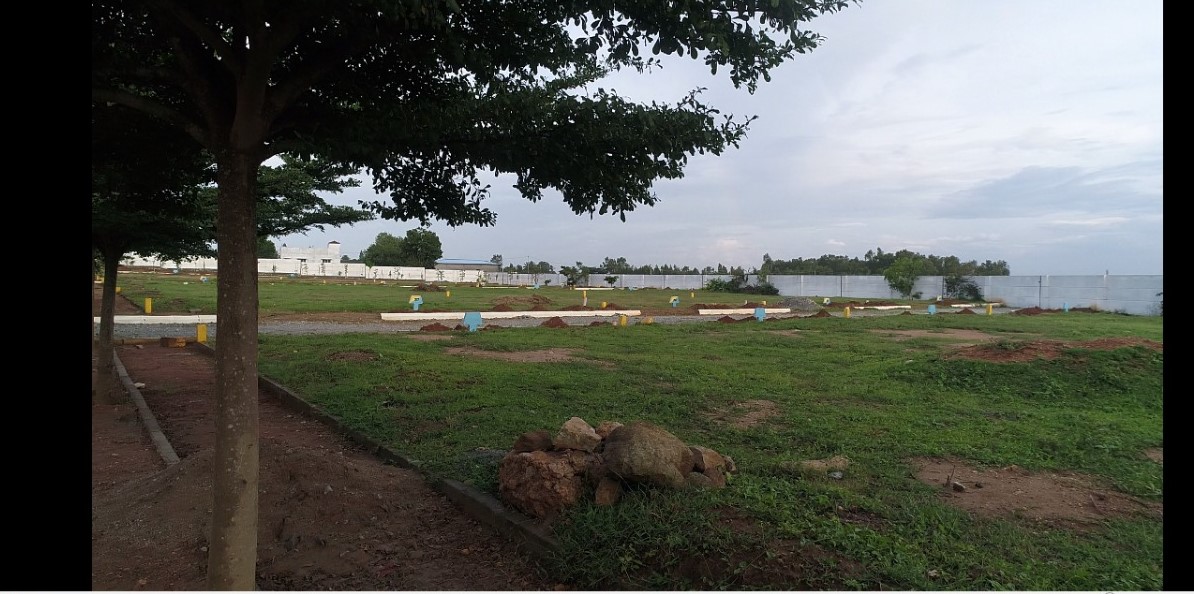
(106, 388)
(232, 556)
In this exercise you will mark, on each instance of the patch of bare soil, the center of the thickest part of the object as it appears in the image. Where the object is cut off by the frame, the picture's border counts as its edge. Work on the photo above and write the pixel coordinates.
(353, 356)
(820, 314)
(1006, 352)
(1065, 498)
(527, 300)
(556, 322)
(964, 337)
(436, 327)
(1156, 455)
(331, 516)
(343, 317)
(503, 307)
(553, 355)
(745, 415)
(429, 337)
(786, 332)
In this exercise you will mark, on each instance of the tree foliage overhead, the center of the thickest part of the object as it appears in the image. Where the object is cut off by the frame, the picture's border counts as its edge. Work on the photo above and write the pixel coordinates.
(426, 96)
(146, 180)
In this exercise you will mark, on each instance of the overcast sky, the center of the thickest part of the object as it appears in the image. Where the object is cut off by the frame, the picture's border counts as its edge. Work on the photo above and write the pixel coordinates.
(1028, 131)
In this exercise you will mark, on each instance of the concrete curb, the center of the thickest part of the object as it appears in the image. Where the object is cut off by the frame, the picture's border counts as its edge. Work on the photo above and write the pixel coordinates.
(481, 506)
(165, 450)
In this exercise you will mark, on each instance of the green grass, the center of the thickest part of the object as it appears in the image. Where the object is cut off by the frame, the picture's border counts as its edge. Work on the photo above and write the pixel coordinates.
(840, 389)
(282, 295)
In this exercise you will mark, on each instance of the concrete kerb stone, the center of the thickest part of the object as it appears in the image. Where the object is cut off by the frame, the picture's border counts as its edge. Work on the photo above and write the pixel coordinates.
(481, 506)
(165, 450)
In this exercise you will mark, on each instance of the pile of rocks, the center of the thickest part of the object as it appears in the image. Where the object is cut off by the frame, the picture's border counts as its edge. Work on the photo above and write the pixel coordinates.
(544, 474)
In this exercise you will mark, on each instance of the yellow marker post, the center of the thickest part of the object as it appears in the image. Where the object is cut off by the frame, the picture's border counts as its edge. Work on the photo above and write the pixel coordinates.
(447, 293)
(622, 320)
(649, 320)
(201, 333)
(603, 304)
(764, 303)
(149, 305)
(413, 297)
(117, 290)
(846, 312)
(692, 294)
(989, 310)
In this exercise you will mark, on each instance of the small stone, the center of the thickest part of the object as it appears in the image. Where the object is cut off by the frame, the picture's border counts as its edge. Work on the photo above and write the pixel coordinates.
(609, 491)
(139, 385)
(956, 486)
(327, 489)
(978, 485)
(836, 475)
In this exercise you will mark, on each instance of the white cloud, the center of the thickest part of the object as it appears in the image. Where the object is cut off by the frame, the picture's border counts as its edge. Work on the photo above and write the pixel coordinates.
(984, 130)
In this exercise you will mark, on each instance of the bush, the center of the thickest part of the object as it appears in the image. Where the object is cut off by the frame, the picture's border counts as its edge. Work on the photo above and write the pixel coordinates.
(722, 285)
(737, 284)
(962, 287)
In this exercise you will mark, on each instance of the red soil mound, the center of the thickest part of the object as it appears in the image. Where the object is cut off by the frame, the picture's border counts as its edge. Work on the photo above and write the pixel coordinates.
(1029, 311)
(820, 314)
(555, 322)
(726, 320)
(436, 327)
(502, 307)
(967, 311)
(599, 323)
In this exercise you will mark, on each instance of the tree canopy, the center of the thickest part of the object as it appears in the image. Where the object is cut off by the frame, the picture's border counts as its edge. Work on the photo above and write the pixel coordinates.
(419, 247)
(426, 98)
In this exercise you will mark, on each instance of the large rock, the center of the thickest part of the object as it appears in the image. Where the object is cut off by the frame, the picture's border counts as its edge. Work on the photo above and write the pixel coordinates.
(576, 434)
(607, 427)
(645, 453)
(705, 458)
(542, 484)
(533, 441)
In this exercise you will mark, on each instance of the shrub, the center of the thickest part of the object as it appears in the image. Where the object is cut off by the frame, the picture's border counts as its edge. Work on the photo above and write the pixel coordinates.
(962, 287)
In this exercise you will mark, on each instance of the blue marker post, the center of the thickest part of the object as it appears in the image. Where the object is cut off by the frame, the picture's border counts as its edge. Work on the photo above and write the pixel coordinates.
(675, 301)
(472, 319)
(1066, 307)
(932, 309)
(416, 301)
(760, 313)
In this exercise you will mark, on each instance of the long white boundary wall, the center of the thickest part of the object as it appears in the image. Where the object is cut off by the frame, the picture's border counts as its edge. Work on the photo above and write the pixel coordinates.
(1133, 294)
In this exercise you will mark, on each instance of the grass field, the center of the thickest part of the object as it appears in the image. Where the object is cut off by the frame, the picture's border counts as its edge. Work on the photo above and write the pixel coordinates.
(180, 294)
(885, 392)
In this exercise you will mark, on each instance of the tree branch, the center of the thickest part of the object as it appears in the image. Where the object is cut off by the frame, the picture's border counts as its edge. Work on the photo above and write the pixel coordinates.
(228, 54)
(154, 109)
(313, 70)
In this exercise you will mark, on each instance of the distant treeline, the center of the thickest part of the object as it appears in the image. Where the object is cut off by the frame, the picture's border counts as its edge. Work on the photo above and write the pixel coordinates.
(874, 262)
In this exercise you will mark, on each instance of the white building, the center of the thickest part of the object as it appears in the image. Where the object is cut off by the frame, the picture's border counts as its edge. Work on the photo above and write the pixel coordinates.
(313, 261)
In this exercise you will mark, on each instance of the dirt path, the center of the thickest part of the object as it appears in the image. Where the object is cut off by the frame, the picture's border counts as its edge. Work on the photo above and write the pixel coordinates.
(330, 516)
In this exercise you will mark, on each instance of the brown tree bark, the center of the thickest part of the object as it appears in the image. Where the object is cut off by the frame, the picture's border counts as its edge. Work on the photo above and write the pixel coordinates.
(232, 554)
(106, 389)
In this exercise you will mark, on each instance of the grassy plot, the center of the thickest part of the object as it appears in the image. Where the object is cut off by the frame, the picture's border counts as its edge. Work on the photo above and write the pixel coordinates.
(184, 293)
(885, 392)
